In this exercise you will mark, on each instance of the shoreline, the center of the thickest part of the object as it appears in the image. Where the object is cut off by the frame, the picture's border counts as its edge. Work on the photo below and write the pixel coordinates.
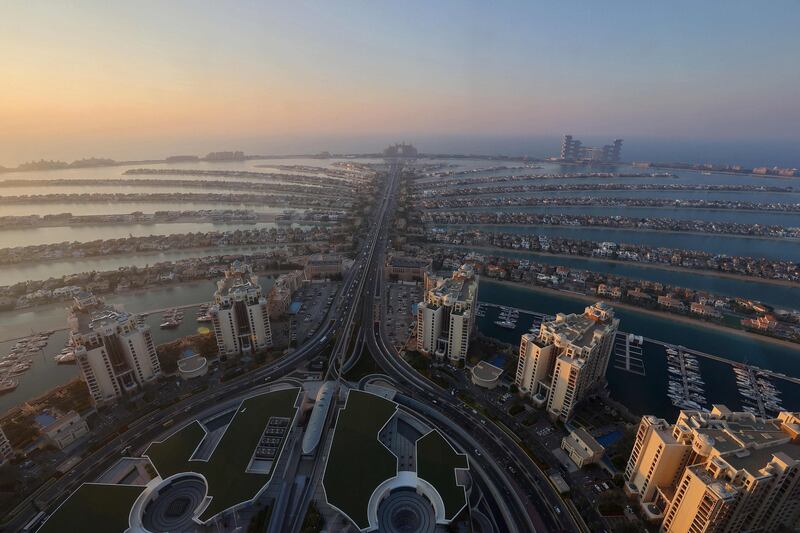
(656, 266)
(621, 228)
(651, 312)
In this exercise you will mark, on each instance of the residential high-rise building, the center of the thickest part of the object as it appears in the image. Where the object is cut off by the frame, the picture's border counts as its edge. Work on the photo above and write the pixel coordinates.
(6, 452)
(718, 471)
(114, 349)
(567, 358)
(446, 317)
(240, 313)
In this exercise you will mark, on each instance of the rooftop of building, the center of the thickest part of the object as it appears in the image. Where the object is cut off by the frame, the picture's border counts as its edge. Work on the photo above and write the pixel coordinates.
(588, 440)
(89, 313)
(226, 470)
(742, 440)
(753, 461)
(239, 278)
(455, 289)
(94, 505)
(576, 329)
(50, 423)
(408, 262)
(324, 259)
(721, 487)
(486, 371)
(357, 461)
(730, 431)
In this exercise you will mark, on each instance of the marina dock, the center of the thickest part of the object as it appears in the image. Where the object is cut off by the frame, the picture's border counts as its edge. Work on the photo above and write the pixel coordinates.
(772, 374)
(685, 386)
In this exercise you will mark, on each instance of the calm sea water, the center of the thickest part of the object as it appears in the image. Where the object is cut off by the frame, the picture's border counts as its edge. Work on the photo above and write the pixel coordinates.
(647, 394)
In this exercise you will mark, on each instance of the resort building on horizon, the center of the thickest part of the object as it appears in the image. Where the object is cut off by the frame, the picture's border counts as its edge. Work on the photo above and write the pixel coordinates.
(573, 150)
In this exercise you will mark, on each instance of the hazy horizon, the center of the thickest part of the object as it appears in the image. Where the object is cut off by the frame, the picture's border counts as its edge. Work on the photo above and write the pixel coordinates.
(149, 79)
(745, 152)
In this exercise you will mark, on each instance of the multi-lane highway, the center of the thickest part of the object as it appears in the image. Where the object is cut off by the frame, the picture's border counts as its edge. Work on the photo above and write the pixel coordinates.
(535, 503)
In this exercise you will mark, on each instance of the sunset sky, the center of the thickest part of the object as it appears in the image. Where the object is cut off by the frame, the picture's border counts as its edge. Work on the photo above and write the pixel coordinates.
(148, 79)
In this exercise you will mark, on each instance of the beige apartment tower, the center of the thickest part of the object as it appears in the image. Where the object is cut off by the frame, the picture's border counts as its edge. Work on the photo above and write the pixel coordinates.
(721, 471)
(567, 358)
(240, 313)
(445, 319)
(114, 349)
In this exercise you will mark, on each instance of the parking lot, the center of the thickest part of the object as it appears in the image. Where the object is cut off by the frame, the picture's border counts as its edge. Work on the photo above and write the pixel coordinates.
(400, 320)
(315, 299)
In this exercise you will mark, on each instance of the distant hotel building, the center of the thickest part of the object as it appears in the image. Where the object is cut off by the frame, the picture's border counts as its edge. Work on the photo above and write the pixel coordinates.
(240, 313)
(114, 349)
(567, 358)
(570, 148)
(573, 150)
(445, 319)
(718, 471)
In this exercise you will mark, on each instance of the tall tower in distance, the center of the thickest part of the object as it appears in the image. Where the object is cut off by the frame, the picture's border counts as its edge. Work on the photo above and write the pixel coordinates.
(570, 148)
(573, 150)
(613, 152)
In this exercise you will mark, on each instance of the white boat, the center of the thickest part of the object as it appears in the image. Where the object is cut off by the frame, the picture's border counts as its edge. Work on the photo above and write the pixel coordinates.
(65, 358)
(8, 385)
(20, 368)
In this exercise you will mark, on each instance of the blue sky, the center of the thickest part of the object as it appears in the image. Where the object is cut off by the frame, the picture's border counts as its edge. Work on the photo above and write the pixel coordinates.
(86, 74)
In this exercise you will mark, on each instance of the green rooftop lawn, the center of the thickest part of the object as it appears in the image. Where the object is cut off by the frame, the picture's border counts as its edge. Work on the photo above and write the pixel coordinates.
(358, 462)
(96, 508)
(436, 464)
(170, 456)
(228, 483)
